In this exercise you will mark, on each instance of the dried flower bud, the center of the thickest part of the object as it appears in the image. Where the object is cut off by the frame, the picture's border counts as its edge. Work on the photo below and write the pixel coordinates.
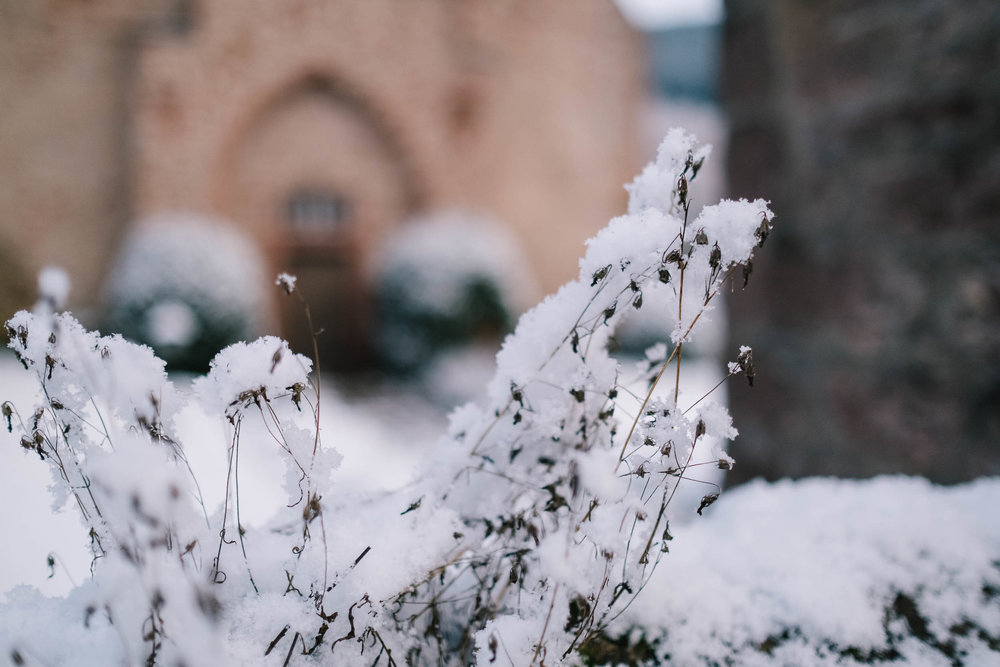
(762, 232)
(701, 238)
(715, 258)
(610, 311)
(600, 274)
(746, 364)
(706, 501)
(286, 282)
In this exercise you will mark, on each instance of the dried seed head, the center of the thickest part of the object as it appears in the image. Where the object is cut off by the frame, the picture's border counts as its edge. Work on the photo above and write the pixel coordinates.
(706, 501)
(746, 364)
(701, 238)
(600, 274)
(286, 282)
(610, 311)
(747, 270)
(715, 258)
(762, 232)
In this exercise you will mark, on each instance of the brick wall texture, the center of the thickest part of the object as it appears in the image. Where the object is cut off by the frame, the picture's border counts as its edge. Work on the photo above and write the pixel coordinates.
(113, 110)
(874, 128)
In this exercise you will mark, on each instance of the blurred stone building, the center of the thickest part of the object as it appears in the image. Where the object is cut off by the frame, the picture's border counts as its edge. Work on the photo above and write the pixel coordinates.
(874, 128)
(316, 125)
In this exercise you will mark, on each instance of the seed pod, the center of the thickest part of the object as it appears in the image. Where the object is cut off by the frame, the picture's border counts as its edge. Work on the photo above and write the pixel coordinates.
(762, 232)
(706, 501)
(701, 238)
(609, 311)
(600, 274)
(673, 257)
(715, 258)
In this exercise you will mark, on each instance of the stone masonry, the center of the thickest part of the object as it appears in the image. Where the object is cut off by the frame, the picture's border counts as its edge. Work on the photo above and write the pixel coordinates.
(114, 110)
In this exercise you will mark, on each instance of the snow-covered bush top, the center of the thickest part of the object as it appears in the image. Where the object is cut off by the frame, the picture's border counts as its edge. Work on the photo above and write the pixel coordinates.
(532, 533)
(187, 286)
(439, 253)
(443, 280)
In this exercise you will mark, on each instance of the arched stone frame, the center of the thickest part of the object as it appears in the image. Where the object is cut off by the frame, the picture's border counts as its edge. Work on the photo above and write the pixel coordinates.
(255, 177)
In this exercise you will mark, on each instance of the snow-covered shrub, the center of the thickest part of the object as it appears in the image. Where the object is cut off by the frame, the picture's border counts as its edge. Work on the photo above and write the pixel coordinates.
(445, 280)
(891, 570)
(187, 286)
(534, 528)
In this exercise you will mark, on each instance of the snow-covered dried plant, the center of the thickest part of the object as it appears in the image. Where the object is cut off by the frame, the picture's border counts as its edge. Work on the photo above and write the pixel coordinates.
(533, 525)
(103, 427)
(561, 493)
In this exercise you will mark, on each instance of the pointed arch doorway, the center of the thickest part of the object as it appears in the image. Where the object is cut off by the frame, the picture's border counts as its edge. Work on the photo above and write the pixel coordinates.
(320, 182)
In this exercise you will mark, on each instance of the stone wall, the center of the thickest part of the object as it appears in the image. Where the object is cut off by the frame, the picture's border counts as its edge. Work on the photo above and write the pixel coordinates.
(64, 83)
(115, 110)
(874, 311)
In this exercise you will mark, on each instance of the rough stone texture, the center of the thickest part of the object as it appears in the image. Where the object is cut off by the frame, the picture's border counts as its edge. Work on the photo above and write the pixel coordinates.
(114, 110)
(874, 128)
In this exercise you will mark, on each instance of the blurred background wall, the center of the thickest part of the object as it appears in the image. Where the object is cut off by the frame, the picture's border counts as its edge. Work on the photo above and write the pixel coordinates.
(319, 127)
(874, 311)
(316, 126)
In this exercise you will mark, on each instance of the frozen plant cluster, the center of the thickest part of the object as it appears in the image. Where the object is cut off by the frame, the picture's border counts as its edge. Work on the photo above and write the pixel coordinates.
(538, 519)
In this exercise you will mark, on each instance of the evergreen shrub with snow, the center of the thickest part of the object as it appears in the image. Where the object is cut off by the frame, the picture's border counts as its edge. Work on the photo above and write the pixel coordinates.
(540, 530)
(444, 281)
(187, 287)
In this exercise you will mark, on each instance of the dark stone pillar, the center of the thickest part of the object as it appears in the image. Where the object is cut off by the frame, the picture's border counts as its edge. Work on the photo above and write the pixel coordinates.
(874, 310)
